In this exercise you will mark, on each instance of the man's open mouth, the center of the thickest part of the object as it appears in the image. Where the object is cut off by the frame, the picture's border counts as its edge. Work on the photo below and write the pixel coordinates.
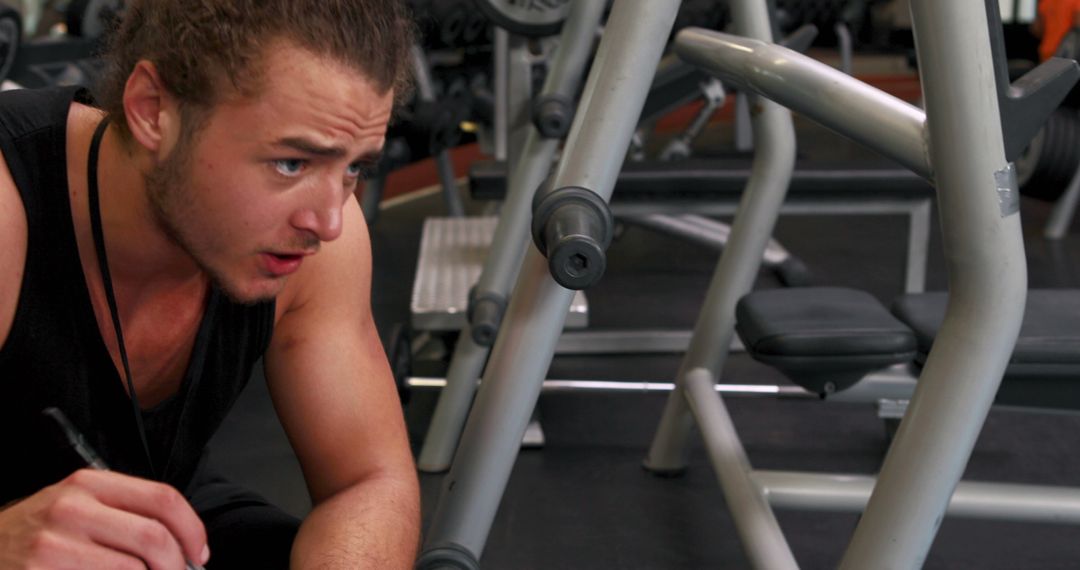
(281, 264)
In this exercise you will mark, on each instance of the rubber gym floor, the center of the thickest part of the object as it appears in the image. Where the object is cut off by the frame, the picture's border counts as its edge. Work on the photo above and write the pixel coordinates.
(584, 501)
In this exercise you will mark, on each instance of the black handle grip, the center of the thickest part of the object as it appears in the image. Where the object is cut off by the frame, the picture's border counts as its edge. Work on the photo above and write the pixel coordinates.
(552, 115)
(447, 556)
(572, 227)
(485, 314)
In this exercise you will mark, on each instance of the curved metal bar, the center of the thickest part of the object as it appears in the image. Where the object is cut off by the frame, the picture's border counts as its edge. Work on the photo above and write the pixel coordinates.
(755, 522)
(838, 101)
(987, 270)
(774, 161)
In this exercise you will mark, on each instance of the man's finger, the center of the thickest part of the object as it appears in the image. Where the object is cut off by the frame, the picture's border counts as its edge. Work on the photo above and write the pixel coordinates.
(69, 552)
(151, 500)
(145, 538)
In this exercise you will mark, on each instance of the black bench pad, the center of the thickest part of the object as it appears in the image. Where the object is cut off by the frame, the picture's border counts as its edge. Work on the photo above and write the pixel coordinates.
(826, 339)
(823, 338)
(1045, 365)
(1050, 333)
(819, 321)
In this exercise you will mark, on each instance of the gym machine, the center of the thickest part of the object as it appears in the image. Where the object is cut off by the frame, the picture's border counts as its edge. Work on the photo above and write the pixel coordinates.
(967, 98)
(646, 195)
(440, 125)
(65, 54)
(534, 156)
(958, 143)
(633, 42)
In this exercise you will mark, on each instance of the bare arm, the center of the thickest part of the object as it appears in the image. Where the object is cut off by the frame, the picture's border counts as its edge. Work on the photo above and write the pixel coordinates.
(335, 395)
(13, 254)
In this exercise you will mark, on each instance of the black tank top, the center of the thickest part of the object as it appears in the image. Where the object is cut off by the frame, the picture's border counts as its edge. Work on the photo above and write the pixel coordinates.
(55, 356)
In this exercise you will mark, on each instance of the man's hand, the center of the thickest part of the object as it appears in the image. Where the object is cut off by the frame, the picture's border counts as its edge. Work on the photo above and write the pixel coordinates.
(102, 519)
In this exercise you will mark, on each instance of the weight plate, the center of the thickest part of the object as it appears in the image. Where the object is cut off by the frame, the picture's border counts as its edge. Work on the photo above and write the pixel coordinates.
(1050, 161)
(534, 18)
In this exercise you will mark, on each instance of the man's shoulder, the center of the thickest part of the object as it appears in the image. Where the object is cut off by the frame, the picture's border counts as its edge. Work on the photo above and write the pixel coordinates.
(13, 232)
(25, 111)
(341, 271)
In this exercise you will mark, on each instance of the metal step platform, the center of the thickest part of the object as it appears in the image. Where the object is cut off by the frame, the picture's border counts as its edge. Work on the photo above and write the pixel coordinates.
(452, 253)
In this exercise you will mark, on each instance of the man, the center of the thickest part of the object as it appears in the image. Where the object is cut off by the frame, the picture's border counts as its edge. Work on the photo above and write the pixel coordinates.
(155, 248)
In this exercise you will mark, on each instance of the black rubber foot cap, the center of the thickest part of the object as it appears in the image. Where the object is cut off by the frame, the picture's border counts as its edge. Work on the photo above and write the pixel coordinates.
(447, 556)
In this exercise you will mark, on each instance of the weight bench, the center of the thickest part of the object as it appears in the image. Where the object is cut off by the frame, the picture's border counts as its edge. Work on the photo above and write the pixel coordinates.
(826, 339)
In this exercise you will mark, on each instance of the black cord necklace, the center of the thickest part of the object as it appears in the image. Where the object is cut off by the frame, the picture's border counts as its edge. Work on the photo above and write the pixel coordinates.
(106, 278)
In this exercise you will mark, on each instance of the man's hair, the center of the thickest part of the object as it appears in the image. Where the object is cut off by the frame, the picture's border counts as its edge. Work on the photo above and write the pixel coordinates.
(201, 46)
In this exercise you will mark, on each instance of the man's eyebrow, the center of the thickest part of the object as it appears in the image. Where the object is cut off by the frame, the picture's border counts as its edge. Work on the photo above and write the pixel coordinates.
(309, 147)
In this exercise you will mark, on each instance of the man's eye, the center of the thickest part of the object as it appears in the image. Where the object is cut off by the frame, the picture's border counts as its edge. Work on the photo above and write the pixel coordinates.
(359, 170)
(289, 166)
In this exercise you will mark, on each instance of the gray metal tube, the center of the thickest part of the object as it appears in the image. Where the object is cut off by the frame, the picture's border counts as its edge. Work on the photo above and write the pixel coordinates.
(372, 196)
(703, 231)
(987, 274)
(584, 23)
(507, 395)
(453, 406)
(503, 261)
(424, 88)
(681, 227)
(1061, 216)
(614, 96)
(852, 108)
(501, 73)
(512, 232)
(755, 523)
(843, 36)
(774, 162)
(775, 252)
(445, 167)
(918, 243)
(744, 136)
(625, 386)
(519, 98)
(992, 501)
(896, 383)
(597, 145)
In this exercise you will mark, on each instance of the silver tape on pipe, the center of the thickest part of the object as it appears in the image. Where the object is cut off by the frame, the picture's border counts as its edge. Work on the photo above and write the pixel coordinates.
(1008, 190)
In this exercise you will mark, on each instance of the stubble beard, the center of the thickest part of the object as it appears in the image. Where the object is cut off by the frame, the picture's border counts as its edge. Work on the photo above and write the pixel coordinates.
(168, 194)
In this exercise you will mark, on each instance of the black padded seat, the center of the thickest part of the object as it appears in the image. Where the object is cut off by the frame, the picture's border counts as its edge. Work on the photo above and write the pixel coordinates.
(823, 338)
(1044, 370)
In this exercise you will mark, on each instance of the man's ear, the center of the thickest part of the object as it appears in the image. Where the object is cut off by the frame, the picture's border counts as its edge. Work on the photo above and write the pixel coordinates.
(151, 111)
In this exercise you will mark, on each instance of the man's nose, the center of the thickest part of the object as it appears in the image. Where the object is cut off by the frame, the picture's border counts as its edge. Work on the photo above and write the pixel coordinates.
(322, 214)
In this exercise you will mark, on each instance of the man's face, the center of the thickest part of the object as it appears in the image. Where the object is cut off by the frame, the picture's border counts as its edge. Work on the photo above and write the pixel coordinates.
(263, 183)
